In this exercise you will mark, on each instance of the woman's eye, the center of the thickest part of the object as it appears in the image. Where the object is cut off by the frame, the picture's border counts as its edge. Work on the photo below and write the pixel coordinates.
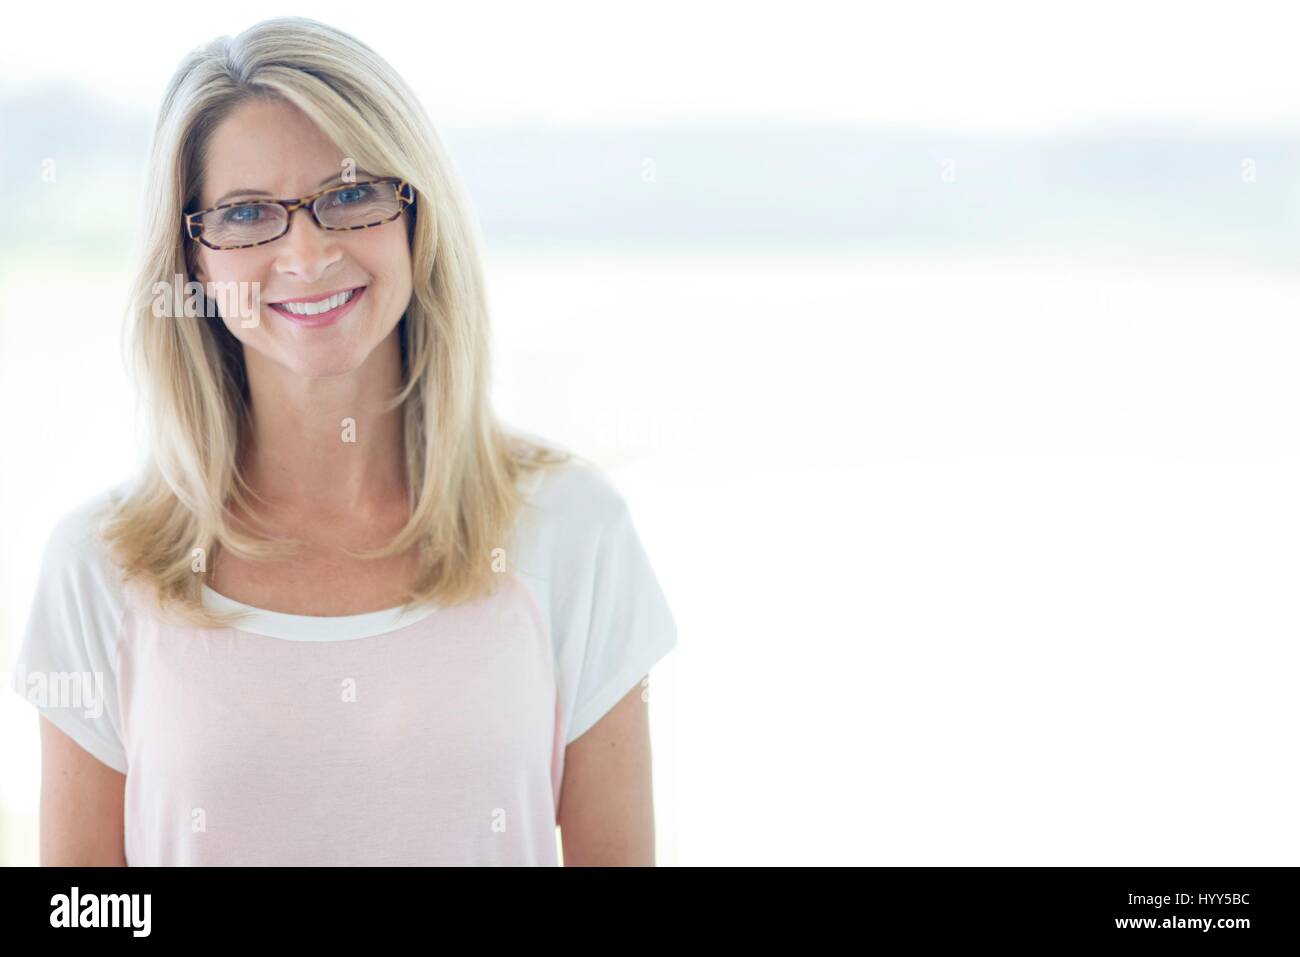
(352, 195)
(242, 214)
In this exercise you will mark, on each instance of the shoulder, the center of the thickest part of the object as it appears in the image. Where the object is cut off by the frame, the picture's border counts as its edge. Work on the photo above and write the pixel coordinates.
(75, 562)
(79, 524)
(75, 535)
(576, 490)
(567, 509)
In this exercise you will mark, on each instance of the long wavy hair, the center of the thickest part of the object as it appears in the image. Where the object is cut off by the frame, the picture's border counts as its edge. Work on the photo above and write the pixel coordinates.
(462, 466)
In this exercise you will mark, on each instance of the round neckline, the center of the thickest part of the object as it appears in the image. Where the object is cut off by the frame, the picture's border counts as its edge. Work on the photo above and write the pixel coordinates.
(279, 624)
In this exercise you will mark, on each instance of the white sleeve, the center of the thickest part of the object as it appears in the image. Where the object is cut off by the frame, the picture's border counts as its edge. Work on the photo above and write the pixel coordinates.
(609, 617)
(67, 662)
(629, 629)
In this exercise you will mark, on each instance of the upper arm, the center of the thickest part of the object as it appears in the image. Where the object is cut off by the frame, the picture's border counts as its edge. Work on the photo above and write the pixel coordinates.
(81, 805)
(67, 668)
(609, 624)
(606, 812)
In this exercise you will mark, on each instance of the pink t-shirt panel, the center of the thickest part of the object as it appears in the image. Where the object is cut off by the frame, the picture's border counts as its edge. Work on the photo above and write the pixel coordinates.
(437, 743)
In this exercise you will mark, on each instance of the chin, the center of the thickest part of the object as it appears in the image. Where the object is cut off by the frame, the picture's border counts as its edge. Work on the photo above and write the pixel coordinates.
(324, 366)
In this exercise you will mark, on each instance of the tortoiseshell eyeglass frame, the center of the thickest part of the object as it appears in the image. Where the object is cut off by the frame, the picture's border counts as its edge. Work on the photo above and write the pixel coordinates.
(405, 195)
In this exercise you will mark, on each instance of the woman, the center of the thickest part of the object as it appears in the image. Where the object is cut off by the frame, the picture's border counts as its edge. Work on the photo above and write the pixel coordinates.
(342, 616)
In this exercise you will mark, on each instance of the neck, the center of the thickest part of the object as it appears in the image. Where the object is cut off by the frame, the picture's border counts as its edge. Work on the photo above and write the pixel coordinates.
(325, 446)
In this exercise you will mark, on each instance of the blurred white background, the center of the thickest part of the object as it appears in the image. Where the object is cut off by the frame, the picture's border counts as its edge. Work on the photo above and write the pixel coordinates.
(944, 355)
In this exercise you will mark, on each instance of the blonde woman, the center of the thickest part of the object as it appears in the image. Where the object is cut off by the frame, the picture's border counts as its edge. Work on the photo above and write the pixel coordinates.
(342, 616)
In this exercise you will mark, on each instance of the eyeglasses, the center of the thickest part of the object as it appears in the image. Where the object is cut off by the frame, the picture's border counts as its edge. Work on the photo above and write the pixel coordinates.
(339, 208)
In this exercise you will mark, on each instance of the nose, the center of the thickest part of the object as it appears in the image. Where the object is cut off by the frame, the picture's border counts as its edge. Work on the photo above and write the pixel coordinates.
(306, 250)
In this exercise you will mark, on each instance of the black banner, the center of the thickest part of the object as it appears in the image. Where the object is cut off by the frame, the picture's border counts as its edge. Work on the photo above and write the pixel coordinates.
(1224, 907)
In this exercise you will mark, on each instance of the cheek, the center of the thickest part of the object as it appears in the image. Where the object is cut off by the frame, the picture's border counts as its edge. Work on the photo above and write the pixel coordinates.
(392, 258)
(246, 325)
(235, 283)
(401, 278)
(388, 263)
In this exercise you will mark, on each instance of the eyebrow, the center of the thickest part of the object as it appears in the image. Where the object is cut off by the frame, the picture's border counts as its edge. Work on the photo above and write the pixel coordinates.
(261, 192)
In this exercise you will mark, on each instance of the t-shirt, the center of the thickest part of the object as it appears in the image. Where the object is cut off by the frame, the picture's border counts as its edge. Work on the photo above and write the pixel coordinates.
(432, 737)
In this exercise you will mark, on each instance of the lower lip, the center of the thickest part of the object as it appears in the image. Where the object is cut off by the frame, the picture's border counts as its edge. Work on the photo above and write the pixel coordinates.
(322, 318)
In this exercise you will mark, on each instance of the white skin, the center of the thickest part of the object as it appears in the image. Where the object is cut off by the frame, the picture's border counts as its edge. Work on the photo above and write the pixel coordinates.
(303, 382)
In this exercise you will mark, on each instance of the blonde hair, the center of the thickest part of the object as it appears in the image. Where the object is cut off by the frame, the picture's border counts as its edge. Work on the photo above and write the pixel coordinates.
(462, 467)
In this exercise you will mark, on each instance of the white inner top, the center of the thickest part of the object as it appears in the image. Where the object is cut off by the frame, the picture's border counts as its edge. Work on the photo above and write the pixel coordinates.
(278, 624)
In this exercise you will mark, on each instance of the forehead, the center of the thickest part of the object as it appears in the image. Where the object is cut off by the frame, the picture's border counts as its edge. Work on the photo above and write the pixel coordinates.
(268, 145)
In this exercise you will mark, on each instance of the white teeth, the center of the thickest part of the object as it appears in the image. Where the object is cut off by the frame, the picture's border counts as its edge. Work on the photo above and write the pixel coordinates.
(316, 308)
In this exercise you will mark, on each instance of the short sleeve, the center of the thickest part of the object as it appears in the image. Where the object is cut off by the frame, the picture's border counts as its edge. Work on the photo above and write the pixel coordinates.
(579, 553)
(629, 626)
(67, 661)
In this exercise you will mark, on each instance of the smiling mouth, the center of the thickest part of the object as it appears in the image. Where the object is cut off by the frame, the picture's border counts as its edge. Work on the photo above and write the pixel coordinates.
(319, 306)
(322, 311)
